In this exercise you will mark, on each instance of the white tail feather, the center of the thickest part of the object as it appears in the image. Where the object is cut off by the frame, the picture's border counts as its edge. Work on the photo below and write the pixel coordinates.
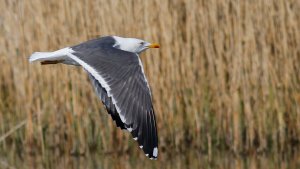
(40, 56)
(50, 56)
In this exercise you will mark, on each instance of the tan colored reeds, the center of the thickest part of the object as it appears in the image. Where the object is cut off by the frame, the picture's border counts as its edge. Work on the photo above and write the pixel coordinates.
(227, 74)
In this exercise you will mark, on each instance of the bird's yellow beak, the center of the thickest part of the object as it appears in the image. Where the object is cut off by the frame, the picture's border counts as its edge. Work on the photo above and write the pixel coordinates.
(153, 45)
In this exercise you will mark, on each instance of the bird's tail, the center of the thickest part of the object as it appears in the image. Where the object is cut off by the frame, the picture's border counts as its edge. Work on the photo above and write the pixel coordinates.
(50, 57)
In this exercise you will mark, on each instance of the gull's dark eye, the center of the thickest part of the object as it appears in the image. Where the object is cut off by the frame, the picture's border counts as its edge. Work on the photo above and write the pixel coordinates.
(142, 43)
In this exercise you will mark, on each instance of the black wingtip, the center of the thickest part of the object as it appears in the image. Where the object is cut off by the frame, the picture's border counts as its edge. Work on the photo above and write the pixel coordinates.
(152, 155)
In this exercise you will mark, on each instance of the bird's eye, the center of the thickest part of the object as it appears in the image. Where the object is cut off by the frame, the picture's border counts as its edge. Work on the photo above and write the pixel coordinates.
(142, 43)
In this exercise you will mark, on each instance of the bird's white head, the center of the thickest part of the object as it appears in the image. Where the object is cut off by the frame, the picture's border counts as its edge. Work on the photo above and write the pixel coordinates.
(133, 45)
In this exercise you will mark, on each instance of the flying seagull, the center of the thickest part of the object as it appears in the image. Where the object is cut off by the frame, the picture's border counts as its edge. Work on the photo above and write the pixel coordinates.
(117, 74)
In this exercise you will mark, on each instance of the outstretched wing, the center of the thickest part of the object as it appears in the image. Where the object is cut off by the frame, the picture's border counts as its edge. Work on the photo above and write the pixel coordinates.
(119, 80)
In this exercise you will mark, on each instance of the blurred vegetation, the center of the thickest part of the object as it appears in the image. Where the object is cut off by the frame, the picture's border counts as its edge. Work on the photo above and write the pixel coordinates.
(227, 75)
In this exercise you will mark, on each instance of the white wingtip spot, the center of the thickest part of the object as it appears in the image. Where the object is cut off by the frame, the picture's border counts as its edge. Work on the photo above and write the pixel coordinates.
(147, 155)
(129, 129)
(151, 158)
(155, 152)
(141, 146)
(135, 138)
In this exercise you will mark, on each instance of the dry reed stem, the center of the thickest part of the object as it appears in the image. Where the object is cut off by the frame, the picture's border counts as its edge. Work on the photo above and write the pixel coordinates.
(226, 75)
(11, 131)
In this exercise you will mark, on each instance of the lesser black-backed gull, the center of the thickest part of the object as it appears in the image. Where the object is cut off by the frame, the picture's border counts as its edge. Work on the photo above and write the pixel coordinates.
(117, 74)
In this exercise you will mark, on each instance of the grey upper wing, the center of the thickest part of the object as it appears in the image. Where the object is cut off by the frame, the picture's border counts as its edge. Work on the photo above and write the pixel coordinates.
(107, 101)
(120, 77)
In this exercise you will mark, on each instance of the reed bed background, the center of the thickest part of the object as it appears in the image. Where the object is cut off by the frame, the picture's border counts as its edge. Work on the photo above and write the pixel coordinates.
(227, 75)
